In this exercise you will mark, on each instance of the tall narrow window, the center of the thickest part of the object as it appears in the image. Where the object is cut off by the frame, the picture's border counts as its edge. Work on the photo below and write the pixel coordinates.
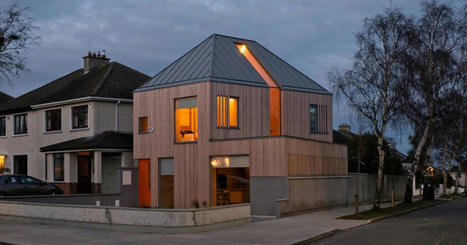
(59, 169)
(79, 117)
(2, 126)
(318, 119)
(21, 124)
(53, 120)
(143, 125)
(227, 112)
(186, 120)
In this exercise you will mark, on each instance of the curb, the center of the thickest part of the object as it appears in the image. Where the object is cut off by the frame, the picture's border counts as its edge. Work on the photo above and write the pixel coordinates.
(370, 221)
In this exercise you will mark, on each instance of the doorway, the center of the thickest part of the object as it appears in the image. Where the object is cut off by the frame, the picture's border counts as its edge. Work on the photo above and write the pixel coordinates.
(144, 183)
(84, 174)
(166, 183)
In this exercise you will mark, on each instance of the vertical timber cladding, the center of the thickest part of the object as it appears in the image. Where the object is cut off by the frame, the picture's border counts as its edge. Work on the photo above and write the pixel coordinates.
(191, 160)
(308, 158)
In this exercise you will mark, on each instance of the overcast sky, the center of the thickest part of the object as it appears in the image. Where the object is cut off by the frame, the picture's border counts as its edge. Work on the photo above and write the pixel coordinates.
(314, 36)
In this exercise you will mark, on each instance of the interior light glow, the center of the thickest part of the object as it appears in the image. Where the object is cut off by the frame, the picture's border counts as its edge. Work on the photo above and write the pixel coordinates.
(242, 48)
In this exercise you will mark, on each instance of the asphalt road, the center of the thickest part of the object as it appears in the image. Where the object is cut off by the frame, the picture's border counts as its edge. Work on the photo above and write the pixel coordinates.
(441, 224)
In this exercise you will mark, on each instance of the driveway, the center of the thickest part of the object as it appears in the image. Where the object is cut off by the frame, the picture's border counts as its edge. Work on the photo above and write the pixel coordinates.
(441, 224)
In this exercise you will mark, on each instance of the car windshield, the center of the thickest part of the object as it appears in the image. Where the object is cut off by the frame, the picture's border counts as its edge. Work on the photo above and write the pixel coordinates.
(30, 180)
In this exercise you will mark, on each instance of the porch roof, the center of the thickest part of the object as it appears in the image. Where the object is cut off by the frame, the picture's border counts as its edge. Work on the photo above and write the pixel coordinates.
(104, 140)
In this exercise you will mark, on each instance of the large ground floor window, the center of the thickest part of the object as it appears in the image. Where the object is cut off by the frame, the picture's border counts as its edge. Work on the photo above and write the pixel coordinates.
(20, 164)
(230, 180)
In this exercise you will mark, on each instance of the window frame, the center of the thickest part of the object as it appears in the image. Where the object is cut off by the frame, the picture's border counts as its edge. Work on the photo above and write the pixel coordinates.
(175, 119)
(73, 121)
(14, 124)
(140, 131)
(46, 118)
(3, 131)
(62, 157)
(321, 120)
(227, 113)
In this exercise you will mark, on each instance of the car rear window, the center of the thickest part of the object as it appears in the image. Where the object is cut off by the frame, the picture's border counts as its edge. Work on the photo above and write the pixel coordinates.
(13, 180)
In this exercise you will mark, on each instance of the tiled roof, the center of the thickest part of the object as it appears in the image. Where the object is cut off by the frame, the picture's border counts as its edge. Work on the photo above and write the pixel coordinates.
(4, 97)
(104, 140)
(217, 59)
(112, 80)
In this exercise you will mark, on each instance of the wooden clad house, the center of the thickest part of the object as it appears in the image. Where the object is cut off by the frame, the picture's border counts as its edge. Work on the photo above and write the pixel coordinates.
(230, 122)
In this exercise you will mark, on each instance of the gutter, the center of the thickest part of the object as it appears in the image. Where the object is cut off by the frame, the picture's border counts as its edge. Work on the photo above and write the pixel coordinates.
(83, 99)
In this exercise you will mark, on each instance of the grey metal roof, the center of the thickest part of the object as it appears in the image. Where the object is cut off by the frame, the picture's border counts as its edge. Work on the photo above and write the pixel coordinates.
(217, 59)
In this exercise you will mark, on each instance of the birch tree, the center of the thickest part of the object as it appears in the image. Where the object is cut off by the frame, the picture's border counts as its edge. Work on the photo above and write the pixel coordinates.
(431, 62)
(373, 86)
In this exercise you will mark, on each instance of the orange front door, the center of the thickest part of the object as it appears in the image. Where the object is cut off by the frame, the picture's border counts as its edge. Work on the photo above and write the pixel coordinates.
(144, 183)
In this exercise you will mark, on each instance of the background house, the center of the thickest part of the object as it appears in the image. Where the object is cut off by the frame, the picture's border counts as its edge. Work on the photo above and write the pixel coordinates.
(71, 120)
(4, 97)
(230, 122)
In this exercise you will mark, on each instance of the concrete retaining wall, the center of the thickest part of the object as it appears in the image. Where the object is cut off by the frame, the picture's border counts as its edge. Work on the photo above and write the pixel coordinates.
(317, 192)
(127, 216)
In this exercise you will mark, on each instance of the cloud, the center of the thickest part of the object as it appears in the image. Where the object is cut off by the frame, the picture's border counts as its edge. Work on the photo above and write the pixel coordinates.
(313, 36)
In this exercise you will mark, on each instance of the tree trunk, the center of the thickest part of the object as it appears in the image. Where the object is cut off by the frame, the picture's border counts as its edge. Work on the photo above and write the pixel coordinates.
(408, 188)
(379, 185)
(443, 164)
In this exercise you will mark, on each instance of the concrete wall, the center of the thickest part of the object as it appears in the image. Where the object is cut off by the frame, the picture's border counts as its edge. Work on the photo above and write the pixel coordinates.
(127, 216)
(264, 191)
(316, 192)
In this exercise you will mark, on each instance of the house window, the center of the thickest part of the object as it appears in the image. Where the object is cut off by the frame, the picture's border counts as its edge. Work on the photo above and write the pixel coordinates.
(20, 163)
(227, 112)
(318, 119)
(59, 170)
(80, 117)
(53, 120)
(2, 126)
(21, 124)
(143, 125)
(186, 120)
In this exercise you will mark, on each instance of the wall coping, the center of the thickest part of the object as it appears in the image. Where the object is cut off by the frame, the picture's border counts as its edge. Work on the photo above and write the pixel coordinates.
(125, 208)
(320, 177)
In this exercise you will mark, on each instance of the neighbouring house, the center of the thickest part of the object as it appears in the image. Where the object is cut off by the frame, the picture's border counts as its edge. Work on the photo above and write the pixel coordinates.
(75, 131)
(230, 122)
(4, 97)
(365, 145)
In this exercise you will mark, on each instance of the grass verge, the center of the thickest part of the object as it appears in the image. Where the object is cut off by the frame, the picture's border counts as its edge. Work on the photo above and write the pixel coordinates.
(401, 208)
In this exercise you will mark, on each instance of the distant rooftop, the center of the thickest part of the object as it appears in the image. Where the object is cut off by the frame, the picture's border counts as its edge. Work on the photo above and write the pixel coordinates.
(218, 59)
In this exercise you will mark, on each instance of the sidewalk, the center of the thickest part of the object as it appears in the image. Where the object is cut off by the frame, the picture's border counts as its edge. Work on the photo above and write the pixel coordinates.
(286, 230)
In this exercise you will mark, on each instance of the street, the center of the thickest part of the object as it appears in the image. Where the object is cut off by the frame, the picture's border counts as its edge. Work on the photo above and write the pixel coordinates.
(441, 224)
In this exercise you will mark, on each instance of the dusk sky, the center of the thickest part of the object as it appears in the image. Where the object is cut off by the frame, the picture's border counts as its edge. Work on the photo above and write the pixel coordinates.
(314, 36)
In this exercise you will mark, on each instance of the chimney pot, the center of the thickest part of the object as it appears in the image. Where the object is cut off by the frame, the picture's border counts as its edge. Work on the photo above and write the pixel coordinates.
(92, 60)
(345, 127)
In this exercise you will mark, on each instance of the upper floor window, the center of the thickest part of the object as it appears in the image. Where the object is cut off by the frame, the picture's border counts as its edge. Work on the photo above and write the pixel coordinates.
(143, 125)
(318, 119)
(227, 112)
(79, 117)
(21, 124)
(53, 120)
(186, 120)
(2, 126)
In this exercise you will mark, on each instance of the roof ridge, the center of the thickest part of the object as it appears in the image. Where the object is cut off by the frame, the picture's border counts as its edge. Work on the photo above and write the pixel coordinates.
(232, 37)
(104, 78)
(179, 58)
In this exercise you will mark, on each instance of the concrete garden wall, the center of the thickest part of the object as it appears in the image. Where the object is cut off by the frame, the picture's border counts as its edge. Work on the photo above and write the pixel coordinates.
(127, 216)
(315, 192)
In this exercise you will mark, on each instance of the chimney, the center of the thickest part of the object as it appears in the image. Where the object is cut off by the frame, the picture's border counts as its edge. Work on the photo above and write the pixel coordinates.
(92, 60)
(344, 127)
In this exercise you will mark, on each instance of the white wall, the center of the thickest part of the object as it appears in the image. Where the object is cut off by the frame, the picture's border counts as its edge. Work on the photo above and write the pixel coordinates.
(101, 117)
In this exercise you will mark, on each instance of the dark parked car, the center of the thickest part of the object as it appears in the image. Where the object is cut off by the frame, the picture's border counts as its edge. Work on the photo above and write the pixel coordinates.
(16, 185)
